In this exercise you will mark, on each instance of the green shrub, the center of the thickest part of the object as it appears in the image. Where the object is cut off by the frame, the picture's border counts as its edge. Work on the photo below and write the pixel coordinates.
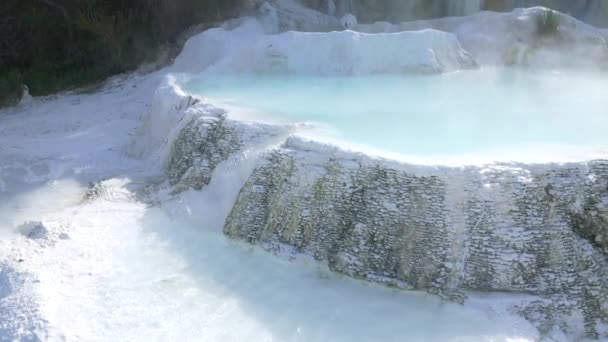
(10, 87)
(54, 45)
(547, 23)
(46, 78)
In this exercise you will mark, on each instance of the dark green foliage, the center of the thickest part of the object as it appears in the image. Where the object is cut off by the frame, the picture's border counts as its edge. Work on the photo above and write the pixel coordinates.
(10, 87)
(547, 23)
(52, 45)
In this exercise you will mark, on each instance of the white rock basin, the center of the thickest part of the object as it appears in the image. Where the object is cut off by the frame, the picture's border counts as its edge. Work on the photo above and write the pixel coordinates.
(490, 114)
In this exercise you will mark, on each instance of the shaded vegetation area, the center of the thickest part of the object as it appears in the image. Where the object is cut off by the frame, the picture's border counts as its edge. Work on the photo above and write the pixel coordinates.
(547, 23)
(52, 45)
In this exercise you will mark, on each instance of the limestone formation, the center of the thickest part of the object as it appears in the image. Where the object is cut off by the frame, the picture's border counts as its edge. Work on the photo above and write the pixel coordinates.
(595, 12)
(538, 230)
(515, 38)
(209, 139)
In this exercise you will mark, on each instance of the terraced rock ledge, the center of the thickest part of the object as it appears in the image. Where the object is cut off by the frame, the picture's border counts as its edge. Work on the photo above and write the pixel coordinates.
(539, 230)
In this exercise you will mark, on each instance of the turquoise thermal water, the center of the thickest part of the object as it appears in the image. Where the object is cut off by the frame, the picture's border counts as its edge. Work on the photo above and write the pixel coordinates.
(480, 111)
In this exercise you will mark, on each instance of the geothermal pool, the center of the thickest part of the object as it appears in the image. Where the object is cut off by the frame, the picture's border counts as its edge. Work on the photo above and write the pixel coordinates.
(492, 110)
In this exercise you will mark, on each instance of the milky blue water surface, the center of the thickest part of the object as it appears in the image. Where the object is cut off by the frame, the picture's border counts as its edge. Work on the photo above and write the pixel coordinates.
(456, 113)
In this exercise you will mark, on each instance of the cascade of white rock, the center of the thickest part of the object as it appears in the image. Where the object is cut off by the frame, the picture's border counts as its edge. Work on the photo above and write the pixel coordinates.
(540, 230)
(530, 229)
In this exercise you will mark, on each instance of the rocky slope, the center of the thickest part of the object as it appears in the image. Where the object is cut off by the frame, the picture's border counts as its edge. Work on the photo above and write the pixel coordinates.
(594, 12)
(517, 38)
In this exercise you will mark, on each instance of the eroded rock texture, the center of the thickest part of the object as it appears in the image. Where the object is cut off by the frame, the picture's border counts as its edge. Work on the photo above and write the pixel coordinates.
(536, 230)
(200, 147)
(209, 139)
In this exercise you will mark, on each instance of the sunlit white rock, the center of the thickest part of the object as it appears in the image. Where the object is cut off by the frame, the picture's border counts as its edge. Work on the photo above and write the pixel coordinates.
(514, 38)
(246, 50)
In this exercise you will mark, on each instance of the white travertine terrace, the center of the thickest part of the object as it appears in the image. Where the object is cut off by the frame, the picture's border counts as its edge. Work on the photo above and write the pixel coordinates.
(515, 228)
